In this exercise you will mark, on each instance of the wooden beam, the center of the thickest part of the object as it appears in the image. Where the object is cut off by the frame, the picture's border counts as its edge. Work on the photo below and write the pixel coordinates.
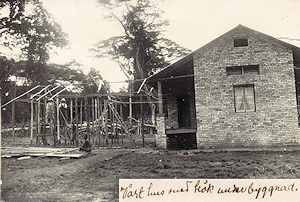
(106, 121)
(160, 100)
(142, 121)
(20, 96)
(181, 131)
(58, 93)
(121, 115)
(57, 118)
(87, 117)
(93, 120)
(98, 122)
(31, 122)
(39, 118)
(39, 92)
(47, 93)
(81, 117)
(102, 121)
(71, 119)
(76, 115)
(130, 102)
(13, 115)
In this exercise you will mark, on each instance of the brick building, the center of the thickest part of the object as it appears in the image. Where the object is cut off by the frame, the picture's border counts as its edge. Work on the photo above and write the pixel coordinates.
(236, 91)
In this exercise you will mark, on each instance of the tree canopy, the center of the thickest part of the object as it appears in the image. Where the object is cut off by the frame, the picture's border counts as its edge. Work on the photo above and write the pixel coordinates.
(142, 50)
(28, 27)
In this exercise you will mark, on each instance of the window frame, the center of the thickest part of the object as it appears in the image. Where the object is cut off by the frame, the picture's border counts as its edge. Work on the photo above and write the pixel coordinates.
(243, 67)
(244, 86)
(240, 42)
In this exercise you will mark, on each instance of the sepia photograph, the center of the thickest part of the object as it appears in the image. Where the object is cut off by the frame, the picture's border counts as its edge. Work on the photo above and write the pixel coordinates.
(150, 100)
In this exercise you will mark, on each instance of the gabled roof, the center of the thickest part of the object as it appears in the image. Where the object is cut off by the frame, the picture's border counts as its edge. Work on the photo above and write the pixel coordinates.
(177, 69)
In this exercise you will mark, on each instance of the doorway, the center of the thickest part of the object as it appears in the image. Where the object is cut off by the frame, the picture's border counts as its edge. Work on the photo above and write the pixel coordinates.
(184, 111)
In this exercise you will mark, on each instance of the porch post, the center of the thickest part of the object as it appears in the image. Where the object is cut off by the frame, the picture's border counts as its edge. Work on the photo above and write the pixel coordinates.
(160, 100)
(161, 138)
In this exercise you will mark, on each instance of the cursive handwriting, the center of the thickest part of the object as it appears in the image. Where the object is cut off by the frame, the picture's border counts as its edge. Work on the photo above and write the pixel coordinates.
(203, 187)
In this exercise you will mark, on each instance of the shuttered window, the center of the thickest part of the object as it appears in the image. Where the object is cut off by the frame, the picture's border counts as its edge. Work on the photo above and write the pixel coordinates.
(244, 98)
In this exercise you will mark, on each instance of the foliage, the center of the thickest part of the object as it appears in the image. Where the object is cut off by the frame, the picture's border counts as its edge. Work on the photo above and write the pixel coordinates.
(141, 50)
(31, 29)
(7, 68)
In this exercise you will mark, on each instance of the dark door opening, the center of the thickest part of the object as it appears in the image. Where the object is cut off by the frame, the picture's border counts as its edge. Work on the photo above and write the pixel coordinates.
(184, 111)
(181, 141)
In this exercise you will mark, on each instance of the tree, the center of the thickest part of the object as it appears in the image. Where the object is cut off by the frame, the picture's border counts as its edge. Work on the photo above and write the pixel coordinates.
(141, 50)
(30, 28)
(7, 68)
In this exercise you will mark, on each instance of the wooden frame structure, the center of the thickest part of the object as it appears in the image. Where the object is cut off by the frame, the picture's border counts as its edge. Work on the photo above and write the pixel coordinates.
(96, 117)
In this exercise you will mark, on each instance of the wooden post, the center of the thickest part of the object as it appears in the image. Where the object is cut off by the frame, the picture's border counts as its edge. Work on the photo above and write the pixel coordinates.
(98, 121)
(71, 119)
(13, 116)
(36, 123)
(81, 118)
(93, 120)
(111, 117)
(0, 123)
(57, 117)
(160, 100)
(116, 131)
(121, 114)
(87, 116)
(142, 122)
(130, 104)
(106, 121)
(76, 115)
(44, 123)
(39, 121)
(102, 121)
(31, 121)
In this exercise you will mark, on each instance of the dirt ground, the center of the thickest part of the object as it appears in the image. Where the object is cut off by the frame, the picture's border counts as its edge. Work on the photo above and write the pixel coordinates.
(95, 177)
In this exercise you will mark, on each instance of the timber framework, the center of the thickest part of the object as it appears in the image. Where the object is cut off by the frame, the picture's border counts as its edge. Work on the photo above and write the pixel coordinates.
(60, 117)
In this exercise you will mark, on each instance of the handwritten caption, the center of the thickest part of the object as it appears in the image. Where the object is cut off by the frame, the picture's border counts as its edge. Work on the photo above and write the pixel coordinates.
(256, 189)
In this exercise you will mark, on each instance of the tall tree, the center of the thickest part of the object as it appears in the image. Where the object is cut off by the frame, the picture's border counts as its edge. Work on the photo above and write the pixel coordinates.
(141, 50)
(30, 28)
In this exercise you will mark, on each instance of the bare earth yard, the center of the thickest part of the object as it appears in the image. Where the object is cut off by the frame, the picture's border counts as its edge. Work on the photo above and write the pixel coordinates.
(95, 177)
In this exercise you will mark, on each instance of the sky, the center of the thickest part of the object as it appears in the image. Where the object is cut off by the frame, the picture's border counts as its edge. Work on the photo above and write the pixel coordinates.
(193, 23)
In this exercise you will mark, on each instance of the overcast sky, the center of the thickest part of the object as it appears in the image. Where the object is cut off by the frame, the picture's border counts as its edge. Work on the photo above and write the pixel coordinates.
(193, 23)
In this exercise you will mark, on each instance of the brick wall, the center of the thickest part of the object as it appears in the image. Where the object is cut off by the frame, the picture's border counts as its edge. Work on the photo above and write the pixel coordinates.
(161, 137)
(275, 120)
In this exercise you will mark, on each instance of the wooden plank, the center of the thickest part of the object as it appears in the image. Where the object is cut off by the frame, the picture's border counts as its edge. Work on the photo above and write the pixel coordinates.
(59, 155)
(181, 130)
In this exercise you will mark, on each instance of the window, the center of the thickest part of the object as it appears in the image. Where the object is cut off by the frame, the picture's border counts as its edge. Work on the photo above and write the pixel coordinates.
(244, 98)
(240, 42)
(249, 69)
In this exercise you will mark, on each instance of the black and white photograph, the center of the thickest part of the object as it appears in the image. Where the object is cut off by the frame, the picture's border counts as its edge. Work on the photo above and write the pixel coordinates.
(149, 100)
